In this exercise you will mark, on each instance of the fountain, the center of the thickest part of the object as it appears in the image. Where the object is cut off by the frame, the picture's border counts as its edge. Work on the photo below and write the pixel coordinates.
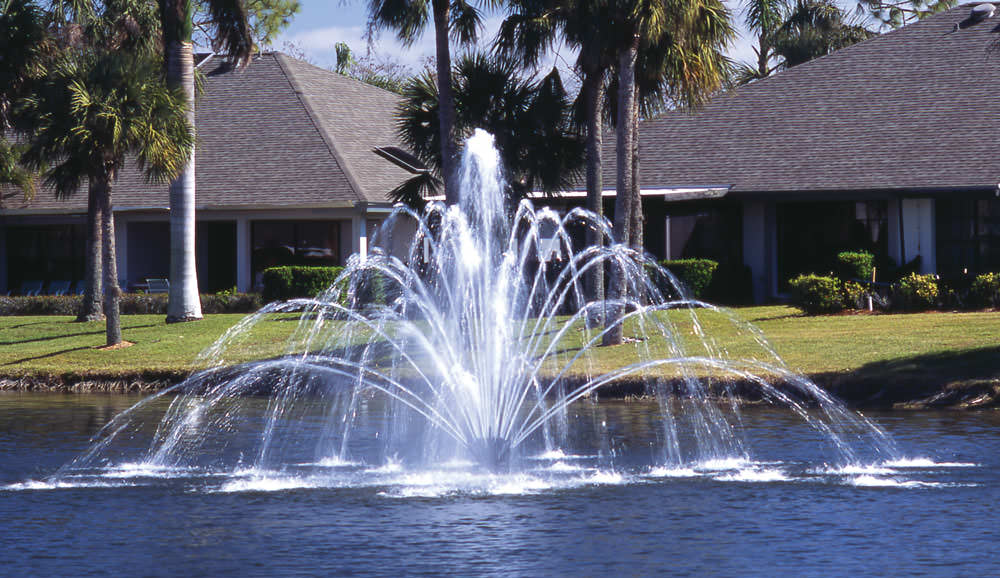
(474, 349)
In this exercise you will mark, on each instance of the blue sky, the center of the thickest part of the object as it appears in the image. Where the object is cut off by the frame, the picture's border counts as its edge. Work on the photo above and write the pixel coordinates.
(322, 23)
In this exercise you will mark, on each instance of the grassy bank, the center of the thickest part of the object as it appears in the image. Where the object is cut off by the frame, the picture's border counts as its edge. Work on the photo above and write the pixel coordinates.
(862, 357)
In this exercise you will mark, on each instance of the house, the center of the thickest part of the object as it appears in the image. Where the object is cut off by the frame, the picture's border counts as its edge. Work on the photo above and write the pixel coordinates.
(293, 164)
(889, 145)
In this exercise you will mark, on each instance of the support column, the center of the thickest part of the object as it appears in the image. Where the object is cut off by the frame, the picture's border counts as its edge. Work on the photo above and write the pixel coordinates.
(244, 275)
(666, 238)
(359, 233)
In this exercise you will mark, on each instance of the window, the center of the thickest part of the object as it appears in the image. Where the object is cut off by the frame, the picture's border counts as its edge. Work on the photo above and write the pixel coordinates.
(45, 253)
(294, 243)
(968, 236)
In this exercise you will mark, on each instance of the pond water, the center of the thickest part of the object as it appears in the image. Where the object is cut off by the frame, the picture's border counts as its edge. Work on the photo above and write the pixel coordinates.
(780, 511)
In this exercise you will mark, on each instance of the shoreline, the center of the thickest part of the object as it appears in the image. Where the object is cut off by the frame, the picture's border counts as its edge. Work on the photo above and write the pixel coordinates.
(858, 392)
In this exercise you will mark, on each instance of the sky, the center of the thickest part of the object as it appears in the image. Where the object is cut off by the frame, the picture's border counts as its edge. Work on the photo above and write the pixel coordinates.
(320, 24)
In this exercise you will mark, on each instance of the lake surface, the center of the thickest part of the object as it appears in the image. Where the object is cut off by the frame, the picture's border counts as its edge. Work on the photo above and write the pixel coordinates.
(785, 509)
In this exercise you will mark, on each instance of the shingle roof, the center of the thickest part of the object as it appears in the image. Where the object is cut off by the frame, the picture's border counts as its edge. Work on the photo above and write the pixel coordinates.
(915, 108)
(279, 133)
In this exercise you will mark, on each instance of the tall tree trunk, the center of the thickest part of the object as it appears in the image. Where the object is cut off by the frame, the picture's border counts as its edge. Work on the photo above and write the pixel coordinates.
(112, 293)
(91, 308)
(763, 55)
(593, 93)
(446, 103)
(183, 301)
(623, 184)
(636, 232)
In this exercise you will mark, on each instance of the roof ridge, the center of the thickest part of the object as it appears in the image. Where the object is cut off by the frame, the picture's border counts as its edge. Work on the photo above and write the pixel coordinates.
(280, 57)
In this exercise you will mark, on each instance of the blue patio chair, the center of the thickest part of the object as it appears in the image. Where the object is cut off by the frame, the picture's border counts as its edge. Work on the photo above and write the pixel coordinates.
(59, 287)
(29, 288)
(79, 287)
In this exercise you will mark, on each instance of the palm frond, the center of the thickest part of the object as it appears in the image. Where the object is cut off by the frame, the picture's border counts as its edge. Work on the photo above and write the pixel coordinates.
(232, 26)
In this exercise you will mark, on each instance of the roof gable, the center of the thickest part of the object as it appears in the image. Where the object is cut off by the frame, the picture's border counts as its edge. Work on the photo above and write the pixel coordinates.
(278, 133)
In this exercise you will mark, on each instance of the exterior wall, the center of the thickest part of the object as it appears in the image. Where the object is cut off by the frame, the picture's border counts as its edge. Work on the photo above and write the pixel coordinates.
(127, 222)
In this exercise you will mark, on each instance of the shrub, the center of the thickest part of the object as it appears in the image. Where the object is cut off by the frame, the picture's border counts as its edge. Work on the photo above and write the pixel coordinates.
(291, 282)
(129, 304)
(917, 292)
(855, 265)
(816, 294)
(231, 302)
(855, 295)
(40, 305)
(985, 290)
(695, 274)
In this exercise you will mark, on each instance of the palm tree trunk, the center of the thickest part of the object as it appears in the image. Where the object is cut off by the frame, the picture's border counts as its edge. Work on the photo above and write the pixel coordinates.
(636, 234)
(112, 293)
(593, 93)
(623, 186)
(446, 103)
(763, 55)
(90, 308)
(183, 301)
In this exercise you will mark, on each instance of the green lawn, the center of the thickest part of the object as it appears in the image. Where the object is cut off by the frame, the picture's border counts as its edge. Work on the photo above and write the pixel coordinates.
(925, 348)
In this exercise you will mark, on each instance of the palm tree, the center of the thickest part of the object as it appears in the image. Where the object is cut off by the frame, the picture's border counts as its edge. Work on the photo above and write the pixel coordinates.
(452, 19)
(807, 30)
(762, 18)
(22, 43)
(12, 172)
(232, 37)
(816, 28)
(93, 109)
(530, 121)
(896, 13)
(681, 43)
(530, 29)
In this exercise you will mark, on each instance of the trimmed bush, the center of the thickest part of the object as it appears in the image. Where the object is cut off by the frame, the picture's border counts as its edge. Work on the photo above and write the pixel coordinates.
(695, 274)
(985, 290)
(917, 292)
(40, 305)
(816, 294)
(291, 282)
(855, 265)
(227, 302)
(130, 304)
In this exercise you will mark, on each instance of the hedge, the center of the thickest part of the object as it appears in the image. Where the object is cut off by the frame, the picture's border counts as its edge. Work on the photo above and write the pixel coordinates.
(130, 304)
(291, 282)
(696, 275)
(855, 265)
(816, 294)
